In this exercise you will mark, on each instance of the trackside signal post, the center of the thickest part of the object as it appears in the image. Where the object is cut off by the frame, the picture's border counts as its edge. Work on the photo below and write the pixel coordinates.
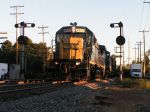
(120, 40)
(22, 40)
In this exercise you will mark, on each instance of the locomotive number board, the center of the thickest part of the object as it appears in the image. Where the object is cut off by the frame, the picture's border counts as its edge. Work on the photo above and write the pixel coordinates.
(78, 30)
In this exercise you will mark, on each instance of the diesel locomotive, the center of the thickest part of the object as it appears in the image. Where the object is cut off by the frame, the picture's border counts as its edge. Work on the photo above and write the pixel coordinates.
(77, 54)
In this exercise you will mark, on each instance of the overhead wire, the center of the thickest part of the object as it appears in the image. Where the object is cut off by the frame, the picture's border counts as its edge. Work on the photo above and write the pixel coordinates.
(141, 19)
(147, 24)
(144, 21)
(147, 17)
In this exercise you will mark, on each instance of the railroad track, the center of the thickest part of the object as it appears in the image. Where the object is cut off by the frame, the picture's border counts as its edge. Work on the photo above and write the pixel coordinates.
(23, 87)
(32, 86)
(18, 91)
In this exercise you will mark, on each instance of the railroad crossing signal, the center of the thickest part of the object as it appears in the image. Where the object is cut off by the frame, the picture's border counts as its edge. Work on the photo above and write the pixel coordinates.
(120, 40)
(24, 25)
(23, 40)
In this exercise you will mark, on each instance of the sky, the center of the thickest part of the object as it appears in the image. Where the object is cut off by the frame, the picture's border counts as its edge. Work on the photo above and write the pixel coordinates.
(94, 14)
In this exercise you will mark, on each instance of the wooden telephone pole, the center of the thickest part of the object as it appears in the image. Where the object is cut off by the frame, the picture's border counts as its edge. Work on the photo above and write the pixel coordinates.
(144, 50)
(43, 32)
(16, 14)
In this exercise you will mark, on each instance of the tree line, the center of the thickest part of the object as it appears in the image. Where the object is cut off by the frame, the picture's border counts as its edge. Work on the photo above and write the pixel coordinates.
(35, 56)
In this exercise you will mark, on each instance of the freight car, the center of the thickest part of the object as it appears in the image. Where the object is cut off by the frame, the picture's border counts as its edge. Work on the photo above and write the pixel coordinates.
(77, 55)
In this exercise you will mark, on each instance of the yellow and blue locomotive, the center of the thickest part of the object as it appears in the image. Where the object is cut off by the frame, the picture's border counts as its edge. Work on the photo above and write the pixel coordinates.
(77, 54)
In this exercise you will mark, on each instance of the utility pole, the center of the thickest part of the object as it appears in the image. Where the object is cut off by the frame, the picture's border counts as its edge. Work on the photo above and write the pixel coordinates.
(135, 53)
(139, 43)
(138, 48)
(144, 50)
(16, 14)
(128, 52)
(144, 47)
(43, 31)
(44, 56)
(123, 56)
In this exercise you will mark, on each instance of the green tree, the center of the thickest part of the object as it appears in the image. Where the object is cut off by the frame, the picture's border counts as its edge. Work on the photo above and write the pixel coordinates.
(35, 58)
(147, 61)
(7, 53)
(6, 45)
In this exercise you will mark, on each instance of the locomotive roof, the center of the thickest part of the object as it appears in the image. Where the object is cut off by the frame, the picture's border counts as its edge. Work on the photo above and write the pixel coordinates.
(102, 47)
(87, 30)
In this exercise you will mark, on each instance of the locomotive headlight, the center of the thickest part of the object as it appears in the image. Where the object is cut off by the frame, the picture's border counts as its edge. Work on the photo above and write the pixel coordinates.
(78, 62)
(73, 29)
(56, 63)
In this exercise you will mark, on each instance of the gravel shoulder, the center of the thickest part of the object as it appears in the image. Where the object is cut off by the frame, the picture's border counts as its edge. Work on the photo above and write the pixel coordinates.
(91, 97)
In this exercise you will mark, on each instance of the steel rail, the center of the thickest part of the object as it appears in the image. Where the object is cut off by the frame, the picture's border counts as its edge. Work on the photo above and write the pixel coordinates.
(21, 87)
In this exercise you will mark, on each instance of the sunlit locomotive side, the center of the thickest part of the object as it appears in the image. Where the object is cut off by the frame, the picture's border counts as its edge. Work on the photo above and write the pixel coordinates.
(77, 51)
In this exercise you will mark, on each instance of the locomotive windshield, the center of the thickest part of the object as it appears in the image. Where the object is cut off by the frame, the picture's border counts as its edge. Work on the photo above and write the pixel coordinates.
(69, 35)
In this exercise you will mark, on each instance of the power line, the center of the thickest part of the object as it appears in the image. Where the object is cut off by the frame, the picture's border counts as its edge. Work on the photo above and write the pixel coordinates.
(16, 14)
(147, 14)
(3, 37)
(141, 19)
(3, 32)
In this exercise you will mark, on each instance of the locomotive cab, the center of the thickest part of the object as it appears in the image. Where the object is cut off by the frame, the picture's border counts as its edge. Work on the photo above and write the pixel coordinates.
(76, 52)
(69, 46)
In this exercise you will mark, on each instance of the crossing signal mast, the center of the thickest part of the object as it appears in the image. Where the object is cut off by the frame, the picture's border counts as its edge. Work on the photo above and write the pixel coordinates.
(120, 40)
(22, 40)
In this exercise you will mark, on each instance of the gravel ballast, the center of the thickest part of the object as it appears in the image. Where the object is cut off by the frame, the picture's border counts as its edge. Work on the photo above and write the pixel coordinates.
(92, 97)
(75, 99)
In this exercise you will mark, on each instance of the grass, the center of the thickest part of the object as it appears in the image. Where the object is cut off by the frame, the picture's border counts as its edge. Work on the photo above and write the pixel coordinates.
(135, 83)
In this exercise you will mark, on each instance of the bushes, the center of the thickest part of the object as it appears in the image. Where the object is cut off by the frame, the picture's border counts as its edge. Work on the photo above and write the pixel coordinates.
(135, 83)
(127, 83)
